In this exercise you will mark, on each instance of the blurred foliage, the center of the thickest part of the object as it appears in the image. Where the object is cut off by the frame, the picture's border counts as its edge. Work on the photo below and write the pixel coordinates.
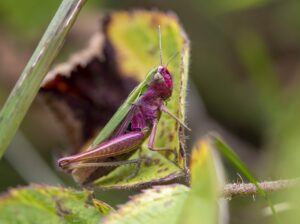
(244, 63)
(27, 18)
(217, 7)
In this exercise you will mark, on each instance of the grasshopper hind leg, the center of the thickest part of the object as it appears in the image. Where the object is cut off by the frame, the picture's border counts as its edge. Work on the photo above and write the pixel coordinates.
(138, 166)
(138, 163)
(102, 164)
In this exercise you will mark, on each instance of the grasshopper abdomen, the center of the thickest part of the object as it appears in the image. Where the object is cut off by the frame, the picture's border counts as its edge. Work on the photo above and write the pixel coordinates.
(117, 146)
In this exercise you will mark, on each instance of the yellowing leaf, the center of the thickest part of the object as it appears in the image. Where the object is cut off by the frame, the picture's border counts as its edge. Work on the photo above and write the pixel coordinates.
(201, 205)
(159, 205)
(45, 204)
(102, 207)
(134, 38)
(119, 58)
(177, 203)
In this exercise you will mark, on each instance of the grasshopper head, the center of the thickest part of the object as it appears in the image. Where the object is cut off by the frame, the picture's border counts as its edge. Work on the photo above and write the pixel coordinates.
(63, 162)
(162, 82)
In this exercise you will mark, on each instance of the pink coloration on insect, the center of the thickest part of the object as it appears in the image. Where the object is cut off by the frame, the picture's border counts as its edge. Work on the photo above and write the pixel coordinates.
(148, 106)
(140, 122)
(164, 85)
(142, 118)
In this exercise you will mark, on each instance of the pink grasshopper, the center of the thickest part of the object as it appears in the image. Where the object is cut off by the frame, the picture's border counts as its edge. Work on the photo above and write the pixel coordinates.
(140, 122)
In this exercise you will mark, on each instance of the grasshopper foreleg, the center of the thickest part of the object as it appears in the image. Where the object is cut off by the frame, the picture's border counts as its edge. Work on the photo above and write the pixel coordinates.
(152, 140)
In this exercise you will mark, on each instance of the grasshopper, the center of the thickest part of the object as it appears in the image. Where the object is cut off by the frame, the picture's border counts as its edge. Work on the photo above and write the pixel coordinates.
(139, 116)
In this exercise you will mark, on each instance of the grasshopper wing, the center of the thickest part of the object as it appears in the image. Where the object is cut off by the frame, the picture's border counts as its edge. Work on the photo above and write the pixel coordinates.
(123, 127)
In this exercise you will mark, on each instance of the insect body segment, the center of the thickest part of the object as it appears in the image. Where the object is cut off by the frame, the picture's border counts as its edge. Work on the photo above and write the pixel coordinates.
(119, 145)
(140, 122)
(146, 113)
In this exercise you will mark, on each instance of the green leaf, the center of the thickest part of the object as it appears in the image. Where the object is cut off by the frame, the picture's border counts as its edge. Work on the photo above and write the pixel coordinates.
(134, 38)
(45, 204)
(161, 204)
(177, 203)
(156, 170)
(102, 207)
(202, 202)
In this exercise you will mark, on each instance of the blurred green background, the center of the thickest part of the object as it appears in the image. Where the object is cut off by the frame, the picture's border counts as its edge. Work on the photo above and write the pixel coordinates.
(244, 84)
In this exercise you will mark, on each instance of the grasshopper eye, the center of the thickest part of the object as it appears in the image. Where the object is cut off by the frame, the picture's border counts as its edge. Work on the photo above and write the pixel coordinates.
(159, 78)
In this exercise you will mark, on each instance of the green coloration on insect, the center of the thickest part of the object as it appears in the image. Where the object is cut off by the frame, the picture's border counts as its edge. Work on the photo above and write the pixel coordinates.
(122, 111)
(133, 36)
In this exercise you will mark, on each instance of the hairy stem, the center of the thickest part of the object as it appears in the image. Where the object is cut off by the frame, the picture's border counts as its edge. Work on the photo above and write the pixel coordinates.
(239, 189)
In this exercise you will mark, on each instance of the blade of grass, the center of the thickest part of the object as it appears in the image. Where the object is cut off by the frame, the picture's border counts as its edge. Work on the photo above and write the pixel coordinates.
(28, 84)
(235, 160)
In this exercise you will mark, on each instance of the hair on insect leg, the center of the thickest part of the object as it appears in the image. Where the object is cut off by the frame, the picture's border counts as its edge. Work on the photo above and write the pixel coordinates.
(102, 164)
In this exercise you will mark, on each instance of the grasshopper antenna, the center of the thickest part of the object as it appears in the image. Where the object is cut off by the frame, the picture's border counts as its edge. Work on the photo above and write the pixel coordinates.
(160, 46)
(172, 58)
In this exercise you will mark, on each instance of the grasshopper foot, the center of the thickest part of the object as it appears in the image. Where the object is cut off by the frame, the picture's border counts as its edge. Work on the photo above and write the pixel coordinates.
(136, 171)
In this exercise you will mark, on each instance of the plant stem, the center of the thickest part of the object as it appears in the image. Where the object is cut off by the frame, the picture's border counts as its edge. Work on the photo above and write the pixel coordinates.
(28, 84)
(239, 189)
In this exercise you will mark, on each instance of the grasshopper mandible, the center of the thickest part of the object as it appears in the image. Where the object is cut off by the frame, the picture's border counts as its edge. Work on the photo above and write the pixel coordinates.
(139, 121)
